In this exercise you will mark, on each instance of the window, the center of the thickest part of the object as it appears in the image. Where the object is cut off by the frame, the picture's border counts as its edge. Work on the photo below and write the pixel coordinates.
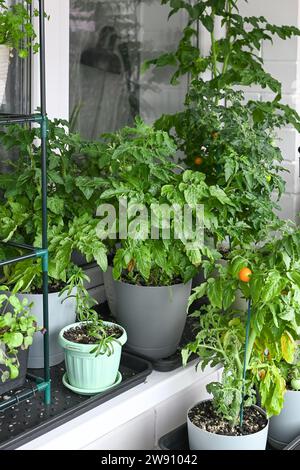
(104, 65)
(109, 40)
(16, 97)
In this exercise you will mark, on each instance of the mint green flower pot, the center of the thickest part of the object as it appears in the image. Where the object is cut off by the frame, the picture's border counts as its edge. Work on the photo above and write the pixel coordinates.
(87, 371)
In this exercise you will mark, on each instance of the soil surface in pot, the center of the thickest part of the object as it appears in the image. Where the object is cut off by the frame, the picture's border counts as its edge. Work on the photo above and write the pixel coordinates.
(204, 416)
(139, 281)
(79, 334)
(53, 288)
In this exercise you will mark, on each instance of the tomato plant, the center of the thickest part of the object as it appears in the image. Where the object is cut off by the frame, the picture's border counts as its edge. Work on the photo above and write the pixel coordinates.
(72, 203)
(274, 290)
(237, 138)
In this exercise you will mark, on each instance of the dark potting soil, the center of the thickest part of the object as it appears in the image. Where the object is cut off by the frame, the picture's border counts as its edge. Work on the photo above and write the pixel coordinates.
(52, 288)
(79, 334)
(139, 281)
(204, 416)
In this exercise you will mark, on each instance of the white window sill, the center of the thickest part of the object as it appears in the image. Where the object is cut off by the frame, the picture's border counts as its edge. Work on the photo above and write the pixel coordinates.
(160, 389)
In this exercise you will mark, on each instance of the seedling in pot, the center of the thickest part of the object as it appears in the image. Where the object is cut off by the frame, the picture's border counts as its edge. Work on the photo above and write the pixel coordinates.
(92, 347)
(94, 330)
(17, 328)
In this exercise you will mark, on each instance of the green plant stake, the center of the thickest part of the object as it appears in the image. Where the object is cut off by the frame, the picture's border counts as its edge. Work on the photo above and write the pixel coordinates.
(245, 362)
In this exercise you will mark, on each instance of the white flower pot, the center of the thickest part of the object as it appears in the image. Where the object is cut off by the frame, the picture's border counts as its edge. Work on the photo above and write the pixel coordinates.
(200, 439)
(286, 426)
(61, 314)
(4, 63)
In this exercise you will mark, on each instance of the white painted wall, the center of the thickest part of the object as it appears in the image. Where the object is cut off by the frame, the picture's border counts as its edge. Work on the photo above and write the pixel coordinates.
(282, 59)
(57, 61)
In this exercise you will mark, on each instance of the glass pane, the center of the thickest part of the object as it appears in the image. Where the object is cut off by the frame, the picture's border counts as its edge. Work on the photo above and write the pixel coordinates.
(109, 40)
(104, 65)
(16, 100)
(160, 34)
(16, 97)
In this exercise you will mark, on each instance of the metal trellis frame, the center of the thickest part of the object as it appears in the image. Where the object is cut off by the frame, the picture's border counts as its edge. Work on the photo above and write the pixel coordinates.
(39, 384)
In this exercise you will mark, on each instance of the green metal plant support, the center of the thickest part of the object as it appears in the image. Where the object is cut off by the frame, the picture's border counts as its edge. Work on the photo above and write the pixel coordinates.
(41, 384)
(245, 363)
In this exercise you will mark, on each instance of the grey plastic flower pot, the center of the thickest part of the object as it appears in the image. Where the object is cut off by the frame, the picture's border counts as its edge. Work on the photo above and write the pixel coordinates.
(200, 439)
(61, 313)
(110, 290)
(286, 426)
(154, 317)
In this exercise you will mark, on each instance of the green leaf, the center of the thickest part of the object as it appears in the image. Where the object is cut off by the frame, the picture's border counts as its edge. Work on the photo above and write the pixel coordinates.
(101, 258)
(288, 347)
(197, 293)
(273, 286)
(14, 371)
(229, 293)
(55, 204)
(13, 340)
(219, 194)
(208, 23)
(214, 292)
(28, 340)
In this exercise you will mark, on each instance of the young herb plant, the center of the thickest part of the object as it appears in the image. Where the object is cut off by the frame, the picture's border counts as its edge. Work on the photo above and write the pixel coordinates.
(96, 328)
(17, 327)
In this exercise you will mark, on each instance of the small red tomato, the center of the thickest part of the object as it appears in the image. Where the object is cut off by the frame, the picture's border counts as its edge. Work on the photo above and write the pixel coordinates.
(244, 274)
(198, 161)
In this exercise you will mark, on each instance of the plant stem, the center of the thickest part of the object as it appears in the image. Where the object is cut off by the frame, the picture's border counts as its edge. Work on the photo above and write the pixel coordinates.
(238, 362)
(213, 47)
(226, 60)
(251, 342)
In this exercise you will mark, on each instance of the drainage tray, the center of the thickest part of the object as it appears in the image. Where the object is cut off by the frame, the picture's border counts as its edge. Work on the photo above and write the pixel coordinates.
(168, 363)
(178, 440)
(30, 419)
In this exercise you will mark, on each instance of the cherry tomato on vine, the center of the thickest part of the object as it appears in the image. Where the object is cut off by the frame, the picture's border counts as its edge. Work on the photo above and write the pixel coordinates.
(244, 274)
(268, 178)
(198, 161)
(214, 135)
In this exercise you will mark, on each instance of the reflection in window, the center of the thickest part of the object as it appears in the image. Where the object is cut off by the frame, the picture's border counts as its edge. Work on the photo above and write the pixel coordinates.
(104, 65)
(16, 98)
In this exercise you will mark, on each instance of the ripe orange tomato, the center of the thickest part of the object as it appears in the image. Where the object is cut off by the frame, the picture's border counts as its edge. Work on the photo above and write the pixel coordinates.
(198, 161)
(244, 274)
